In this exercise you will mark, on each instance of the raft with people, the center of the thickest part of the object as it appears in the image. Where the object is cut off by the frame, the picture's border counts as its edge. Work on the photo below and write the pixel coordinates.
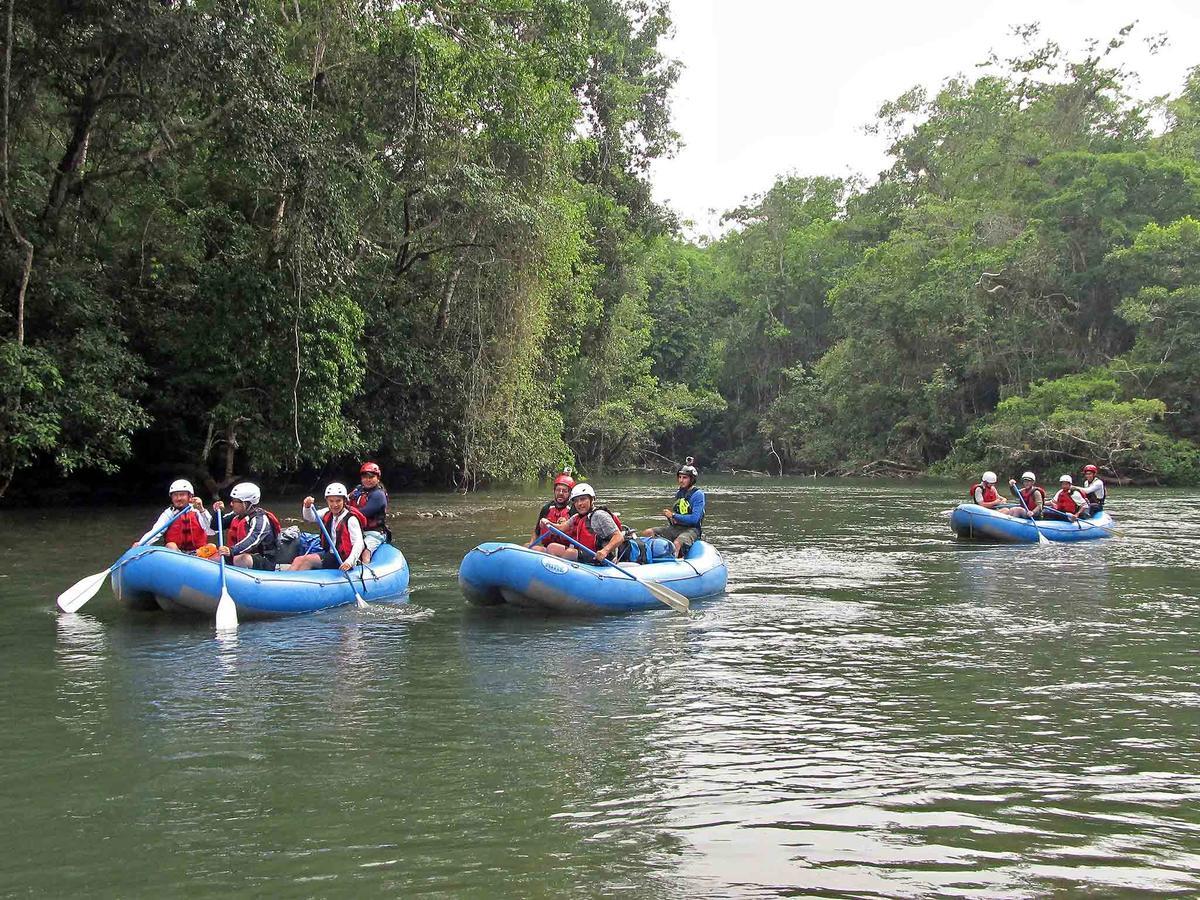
(975, 523)
(583, 560)
(257, 569)
(1074, 513)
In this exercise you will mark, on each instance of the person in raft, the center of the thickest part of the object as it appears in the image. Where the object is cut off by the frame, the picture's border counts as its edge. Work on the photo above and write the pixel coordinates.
(595, 527)
(343, 522)
(1032, 498)
(984, 492)
(1069, 499)
(686, 516)
(190, 531)
(1093, 489)
(557, 510)
(251, 532)
(371, 499)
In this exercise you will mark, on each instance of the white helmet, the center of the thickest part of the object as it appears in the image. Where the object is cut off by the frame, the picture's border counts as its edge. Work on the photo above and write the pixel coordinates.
(246, 492)
(1028, 475)
(1065, 478)
(583, 489)
(989, 478)
(181, 484)
(336, 489)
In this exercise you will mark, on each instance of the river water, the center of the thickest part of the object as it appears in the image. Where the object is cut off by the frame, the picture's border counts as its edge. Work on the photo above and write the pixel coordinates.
(871, 710)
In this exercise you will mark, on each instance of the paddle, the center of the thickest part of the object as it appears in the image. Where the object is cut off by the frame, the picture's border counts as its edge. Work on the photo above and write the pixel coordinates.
(1042, 539)
(362, 604)
(85, 588)
(226, 611)
(660, 592)
(1081, 522)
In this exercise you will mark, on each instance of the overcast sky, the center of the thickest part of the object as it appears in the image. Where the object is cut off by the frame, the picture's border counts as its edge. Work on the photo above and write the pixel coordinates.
(777, 86)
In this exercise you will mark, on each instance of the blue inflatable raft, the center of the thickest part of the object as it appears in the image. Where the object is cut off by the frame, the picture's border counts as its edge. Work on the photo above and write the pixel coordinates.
(976, 523)
(158, 578)
(497, 573)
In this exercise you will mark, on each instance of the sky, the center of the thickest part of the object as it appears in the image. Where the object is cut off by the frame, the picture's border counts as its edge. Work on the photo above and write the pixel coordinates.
(771, 87)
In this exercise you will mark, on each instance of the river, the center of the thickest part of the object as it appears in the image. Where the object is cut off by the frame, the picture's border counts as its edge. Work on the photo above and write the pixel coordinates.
(871, 710)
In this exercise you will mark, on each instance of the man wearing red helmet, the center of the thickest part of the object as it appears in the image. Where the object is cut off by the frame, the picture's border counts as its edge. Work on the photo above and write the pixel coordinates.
(558, 510)
(1093, 489)
(371, 499)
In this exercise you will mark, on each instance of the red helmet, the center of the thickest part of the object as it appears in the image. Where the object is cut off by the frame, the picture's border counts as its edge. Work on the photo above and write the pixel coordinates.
(565, 478)
(1090, 468)
(370, 468)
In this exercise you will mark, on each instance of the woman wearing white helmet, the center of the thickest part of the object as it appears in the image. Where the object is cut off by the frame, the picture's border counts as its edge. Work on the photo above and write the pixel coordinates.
(251, 532)
(1030, 495)
(190, 531)
(343, 522)
(595, 527)
(984, 493)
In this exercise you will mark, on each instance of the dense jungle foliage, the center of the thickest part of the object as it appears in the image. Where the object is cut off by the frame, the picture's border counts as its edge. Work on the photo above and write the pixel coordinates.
(245, 239)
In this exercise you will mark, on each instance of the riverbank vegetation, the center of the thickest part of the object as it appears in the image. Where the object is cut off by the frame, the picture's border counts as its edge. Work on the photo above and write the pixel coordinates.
(248, 238)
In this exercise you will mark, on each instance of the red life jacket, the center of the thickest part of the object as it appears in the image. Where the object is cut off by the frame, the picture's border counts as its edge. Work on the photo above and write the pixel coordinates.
(582, 530)
(1064, 502)
(186, 532)
(238, 527)
(557, 516)
(341, 533)
(989, 492)
(358, 499)
(1027, 494)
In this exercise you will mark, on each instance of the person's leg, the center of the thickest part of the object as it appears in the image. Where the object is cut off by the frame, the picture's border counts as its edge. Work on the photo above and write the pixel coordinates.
(305, 562)
(372, 539)
(686, 538)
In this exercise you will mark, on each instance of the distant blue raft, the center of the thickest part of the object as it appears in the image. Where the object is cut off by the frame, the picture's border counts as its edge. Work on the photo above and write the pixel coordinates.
(976, 523)
(497, 573)
(158, 578)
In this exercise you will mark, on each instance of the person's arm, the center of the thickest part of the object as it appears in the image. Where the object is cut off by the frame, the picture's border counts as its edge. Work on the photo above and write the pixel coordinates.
(1039, 502)
(692, 519)
(1094, 488)
(158, 523)
(254, 537)
(357, 544)
(538, 528)
(309, 513)
(205, 518)
(602, 523)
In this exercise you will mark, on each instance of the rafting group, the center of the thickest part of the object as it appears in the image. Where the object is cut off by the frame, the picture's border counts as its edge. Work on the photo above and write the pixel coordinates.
(353, 525)
(1073, 513)
(580, 558)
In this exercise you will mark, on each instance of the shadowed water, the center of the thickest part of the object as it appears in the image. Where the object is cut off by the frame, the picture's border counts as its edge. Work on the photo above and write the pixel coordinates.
(872, 710)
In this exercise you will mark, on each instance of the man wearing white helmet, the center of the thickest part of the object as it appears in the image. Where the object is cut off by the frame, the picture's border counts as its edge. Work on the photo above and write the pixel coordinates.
(343, 522)
(1069, 500)
(595, 527)
(984, 492)
(190, 531)
(1031, 496)
(251, 532)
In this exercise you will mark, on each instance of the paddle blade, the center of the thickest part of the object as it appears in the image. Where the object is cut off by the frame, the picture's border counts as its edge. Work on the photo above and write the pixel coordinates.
(359, 601)
(227, 619)
(81, 592)
(664, 594)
